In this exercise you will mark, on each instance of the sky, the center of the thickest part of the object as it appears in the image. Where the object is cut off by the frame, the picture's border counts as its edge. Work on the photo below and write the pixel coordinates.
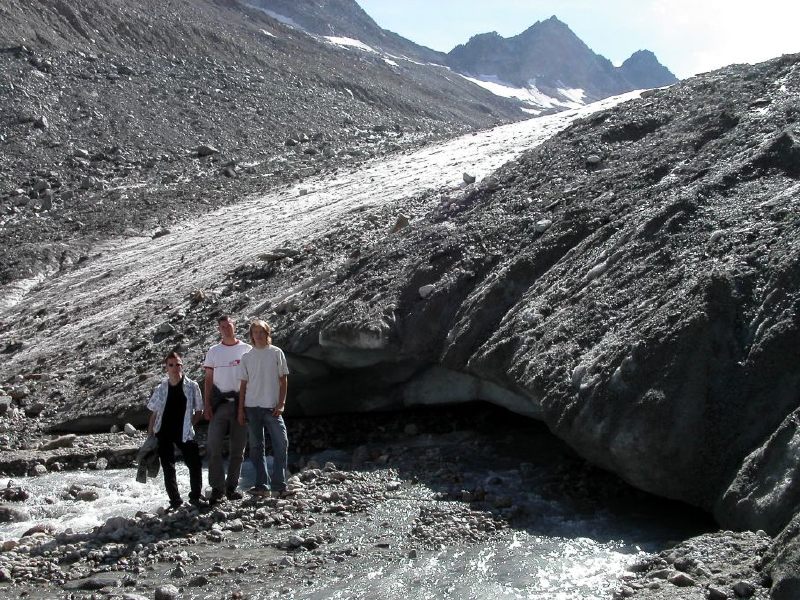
(687, 36)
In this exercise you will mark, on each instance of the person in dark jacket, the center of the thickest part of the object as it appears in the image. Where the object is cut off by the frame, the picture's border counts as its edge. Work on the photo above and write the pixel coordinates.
(176, 405)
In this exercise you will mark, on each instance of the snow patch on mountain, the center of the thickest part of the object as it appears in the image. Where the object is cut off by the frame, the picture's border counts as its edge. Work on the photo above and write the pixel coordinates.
(278, 17)
(350, 43)
(531, 95)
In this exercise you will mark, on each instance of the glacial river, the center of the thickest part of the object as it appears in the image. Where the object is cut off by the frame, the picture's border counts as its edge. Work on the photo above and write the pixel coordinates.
(572, 548)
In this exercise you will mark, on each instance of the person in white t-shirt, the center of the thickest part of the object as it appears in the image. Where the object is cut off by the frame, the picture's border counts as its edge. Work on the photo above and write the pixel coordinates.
(263, 375)
(220, 408)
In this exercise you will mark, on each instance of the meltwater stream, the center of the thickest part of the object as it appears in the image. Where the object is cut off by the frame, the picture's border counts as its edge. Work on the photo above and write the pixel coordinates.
(559, 546)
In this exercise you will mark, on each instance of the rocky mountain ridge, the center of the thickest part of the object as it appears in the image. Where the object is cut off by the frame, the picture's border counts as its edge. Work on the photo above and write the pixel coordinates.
(547, 58)
(166, 111)
(551, 57)
(345, 18)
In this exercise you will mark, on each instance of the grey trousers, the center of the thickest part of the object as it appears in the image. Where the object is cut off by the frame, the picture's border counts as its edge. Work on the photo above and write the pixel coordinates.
(224, 423)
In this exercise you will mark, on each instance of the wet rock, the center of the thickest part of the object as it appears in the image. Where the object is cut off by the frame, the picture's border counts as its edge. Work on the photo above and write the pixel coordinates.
(468, 179)
(198, 581)
(130, 430)
(5, 403)
(167, 592)
(41, 122)
(543, 225)
(87, 495)
(12, 493)
(11, 514)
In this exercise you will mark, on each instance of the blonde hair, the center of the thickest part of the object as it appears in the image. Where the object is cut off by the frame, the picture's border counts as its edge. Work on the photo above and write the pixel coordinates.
(262, 325)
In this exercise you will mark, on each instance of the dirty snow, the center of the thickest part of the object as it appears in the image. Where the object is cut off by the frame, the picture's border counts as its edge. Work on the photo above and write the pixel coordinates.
(124, 274)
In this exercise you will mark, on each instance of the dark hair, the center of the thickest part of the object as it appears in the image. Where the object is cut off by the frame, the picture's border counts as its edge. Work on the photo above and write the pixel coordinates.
(222, 318)
(174, 354)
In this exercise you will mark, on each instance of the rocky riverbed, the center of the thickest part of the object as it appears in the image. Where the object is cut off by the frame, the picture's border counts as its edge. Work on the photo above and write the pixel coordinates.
(632, 281)
(445, 503)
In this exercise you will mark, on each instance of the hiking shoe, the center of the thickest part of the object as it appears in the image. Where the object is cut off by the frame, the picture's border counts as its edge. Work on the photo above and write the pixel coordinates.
(258, 490)
(175, 504)
(234, 494)
(199, 502)
(216, 496)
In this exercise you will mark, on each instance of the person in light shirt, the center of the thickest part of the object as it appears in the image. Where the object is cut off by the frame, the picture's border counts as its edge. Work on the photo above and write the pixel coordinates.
(176, 406)
(263, 375)
(221, 397)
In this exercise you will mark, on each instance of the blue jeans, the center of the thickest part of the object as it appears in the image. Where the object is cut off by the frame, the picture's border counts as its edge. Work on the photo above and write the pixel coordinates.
(260, 420)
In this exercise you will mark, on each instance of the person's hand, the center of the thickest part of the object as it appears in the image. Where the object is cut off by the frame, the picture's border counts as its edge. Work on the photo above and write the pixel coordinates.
(242, 420)
(208, 413)
(277, 411)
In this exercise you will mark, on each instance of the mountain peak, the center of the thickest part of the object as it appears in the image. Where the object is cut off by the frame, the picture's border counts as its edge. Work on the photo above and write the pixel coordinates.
(550, 54)
(642, 69)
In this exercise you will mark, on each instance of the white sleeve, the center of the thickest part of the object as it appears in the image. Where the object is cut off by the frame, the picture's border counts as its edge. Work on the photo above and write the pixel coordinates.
(283, 367)
(241, 369)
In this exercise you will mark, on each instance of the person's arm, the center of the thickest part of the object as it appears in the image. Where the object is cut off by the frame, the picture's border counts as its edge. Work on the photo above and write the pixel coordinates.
(242, 394)
(208, 388)
(154, 406)
(197, 404)
(283, 386)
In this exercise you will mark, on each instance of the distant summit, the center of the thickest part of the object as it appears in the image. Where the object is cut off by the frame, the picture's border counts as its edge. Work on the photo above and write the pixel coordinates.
(547, 66)
(551, 58)
(643, 70)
